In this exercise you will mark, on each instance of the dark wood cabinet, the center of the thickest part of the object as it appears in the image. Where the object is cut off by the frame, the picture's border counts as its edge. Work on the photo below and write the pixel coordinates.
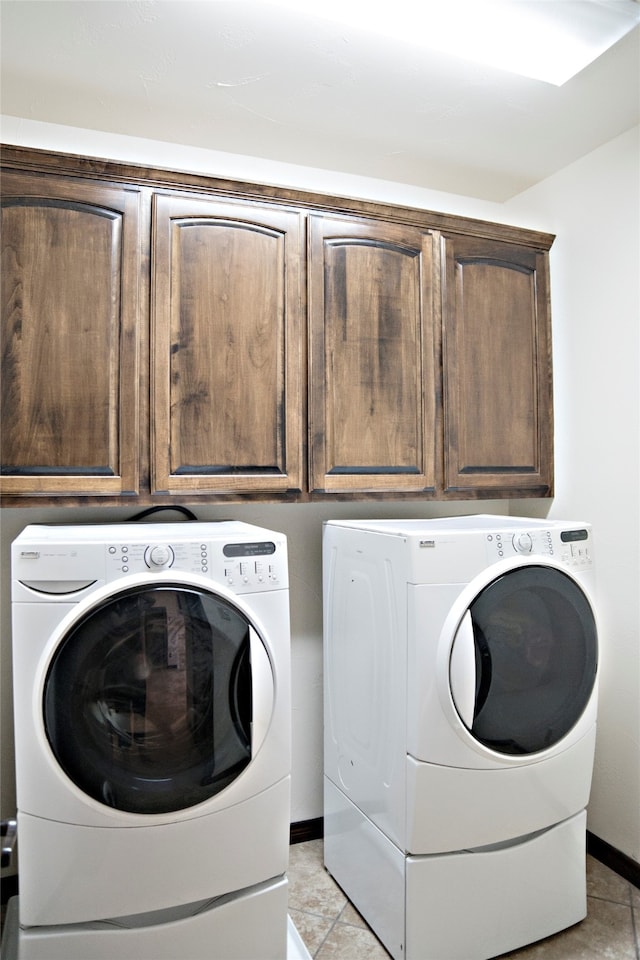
(169, 335)
(497, 390)
(70, 302)
(228, 347)
(373, 357)
(430, 362)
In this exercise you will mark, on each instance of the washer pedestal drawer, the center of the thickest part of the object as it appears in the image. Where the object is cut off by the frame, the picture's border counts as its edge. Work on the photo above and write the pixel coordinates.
(233, 927)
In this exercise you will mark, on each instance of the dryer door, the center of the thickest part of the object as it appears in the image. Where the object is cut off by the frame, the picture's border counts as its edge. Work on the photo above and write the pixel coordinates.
(524, 659)
(157, 697)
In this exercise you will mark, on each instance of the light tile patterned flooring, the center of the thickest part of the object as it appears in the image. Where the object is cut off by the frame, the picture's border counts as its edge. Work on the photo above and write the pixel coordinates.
(333, 930)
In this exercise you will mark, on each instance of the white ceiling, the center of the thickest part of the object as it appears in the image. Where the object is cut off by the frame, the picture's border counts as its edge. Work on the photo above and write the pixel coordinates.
(248, 78)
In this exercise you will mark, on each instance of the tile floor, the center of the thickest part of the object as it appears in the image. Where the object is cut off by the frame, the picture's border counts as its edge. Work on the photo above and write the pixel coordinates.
(333, 930)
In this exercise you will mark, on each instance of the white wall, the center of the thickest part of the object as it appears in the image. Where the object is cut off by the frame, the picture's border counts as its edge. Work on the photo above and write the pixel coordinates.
(577, 403)
(594, 208)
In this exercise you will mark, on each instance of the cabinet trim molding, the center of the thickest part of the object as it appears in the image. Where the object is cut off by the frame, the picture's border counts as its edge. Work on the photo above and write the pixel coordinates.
(68, 164)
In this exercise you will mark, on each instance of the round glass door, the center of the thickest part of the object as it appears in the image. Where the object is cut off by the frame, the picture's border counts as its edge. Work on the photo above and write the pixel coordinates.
(528, 644)
(148, 700)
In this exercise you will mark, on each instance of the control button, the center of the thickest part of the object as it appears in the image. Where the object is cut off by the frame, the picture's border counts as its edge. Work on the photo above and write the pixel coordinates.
(579, 552)
(112, 549)
(160, 556)
(522, 543)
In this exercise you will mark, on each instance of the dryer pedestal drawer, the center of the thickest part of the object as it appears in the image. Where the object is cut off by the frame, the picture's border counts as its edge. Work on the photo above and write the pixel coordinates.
(513, 894)
(469, 905)
(367, 865)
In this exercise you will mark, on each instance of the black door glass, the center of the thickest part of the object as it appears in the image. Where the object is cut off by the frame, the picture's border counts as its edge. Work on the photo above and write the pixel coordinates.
(536, 653)
(147, 702)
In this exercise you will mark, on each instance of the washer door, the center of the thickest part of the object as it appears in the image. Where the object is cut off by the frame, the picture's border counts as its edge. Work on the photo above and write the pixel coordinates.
(524, 659)
(149, 700)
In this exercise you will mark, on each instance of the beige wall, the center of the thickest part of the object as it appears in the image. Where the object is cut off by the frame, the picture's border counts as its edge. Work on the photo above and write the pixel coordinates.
(594, 208)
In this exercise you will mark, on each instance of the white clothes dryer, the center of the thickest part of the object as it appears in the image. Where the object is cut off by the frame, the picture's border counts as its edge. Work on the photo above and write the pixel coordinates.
(460, 715)
(152, 715)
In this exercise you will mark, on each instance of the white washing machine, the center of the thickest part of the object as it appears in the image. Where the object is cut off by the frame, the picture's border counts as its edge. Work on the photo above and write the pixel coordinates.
(460, 664)
(152, 716)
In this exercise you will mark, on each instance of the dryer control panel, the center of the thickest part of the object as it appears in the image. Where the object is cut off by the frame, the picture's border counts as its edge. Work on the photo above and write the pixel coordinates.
(571, 547)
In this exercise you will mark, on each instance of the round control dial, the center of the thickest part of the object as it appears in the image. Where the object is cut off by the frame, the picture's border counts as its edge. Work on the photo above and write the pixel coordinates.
(522, 542)
(160, 556)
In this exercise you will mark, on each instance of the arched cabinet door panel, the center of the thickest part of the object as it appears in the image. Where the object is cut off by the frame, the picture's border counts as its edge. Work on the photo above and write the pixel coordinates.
(70, 305)
(373, 349)
(498, 409)
(228, 347)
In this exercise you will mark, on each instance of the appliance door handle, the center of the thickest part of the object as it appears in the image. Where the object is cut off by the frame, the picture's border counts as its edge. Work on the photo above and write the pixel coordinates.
(261, 690)
(462, 671)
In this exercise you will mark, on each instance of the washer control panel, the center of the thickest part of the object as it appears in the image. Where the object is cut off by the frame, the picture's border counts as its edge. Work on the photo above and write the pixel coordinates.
(70, 560)
(241, 565)
(134, 557)
(568, 546)
(251, 563)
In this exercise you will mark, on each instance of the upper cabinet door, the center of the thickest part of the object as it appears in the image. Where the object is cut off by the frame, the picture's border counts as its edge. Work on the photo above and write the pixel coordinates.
(373, 382)
(228, 347)
(70, 301)
(498, 415)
